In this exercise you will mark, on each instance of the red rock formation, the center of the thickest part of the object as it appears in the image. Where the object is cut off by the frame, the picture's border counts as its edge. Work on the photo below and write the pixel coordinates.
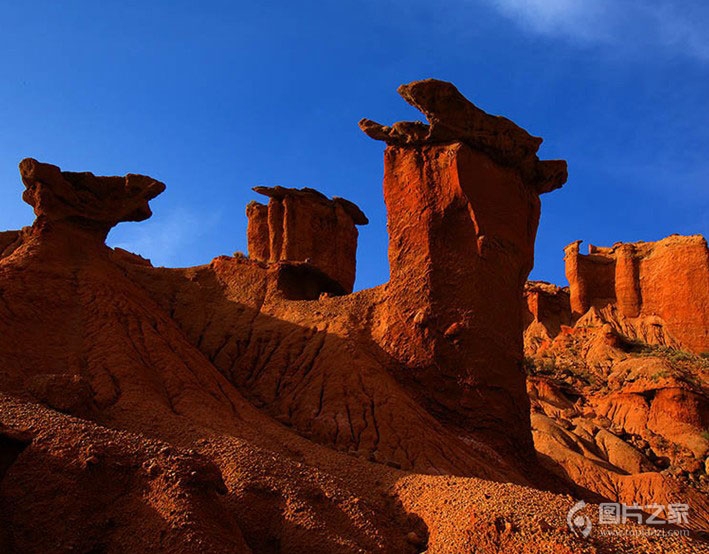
(547, 304)
(627, 280)
(258, 236)
(462, 198)
(548, 310)
(84, 200)
(591, 278)
(78, 335)
(202, 410)
(667, 280)
(303, 225)
(624, 421)
(635, 430)
(452, 119)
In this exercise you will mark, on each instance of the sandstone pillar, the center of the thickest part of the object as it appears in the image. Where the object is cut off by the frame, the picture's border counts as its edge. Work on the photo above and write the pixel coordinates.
(627, 280)
(304, 226)
(577, 283)
(257, 233)
(462, 197)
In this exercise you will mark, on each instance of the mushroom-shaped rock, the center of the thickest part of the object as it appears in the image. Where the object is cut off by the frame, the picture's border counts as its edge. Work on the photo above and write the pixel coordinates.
(84, 199)
(304, 225)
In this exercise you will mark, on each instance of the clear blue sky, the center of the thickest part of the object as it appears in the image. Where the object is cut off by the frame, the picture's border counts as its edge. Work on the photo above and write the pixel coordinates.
(215, 97)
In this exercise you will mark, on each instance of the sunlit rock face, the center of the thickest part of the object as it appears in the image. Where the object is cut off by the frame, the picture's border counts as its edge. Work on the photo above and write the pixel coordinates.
(303, 225)
(658, 291)
(617, 385)
(462, 197)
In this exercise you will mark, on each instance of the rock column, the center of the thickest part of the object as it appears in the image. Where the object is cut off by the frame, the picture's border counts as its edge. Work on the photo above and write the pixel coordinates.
(303, 225)
(462, 197)
(627, 280)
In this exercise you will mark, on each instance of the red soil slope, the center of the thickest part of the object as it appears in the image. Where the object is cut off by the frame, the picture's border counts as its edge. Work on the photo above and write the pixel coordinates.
(240, 407)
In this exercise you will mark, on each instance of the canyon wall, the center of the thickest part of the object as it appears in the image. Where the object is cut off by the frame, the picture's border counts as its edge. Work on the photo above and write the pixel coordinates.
(667, 281)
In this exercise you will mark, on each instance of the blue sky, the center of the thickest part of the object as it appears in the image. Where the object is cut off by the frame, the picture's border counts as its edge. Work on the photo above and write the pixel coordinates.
(215, 97)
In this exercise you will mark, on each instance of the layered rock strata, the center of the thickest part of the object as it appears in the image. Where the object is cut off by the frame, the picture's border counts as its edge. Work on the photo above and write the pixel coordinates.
(462, 197)
(303, 225)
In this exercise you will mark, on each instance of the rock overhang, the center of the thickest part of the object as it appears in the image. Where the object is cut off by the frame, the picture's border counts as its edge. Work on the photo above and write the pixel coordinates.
(82, 196)
(453, 118)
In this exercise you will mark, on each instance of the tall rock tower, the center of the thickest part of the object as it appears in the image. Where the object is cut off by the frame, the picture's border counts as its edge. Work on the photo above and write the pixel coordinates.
(462, 196)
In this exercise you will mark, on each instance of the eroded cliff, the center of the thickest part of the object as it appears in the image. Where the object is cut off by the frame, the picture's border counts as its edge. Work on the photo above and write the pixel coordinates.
(234, 407)
(619, 391)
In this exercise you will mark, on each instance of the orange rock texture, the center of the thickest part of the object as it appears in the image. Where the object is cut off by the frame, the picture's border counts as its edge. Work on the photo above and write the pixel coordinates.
(620, 399)
(666, 280)
(625, 420)
(303, 225)
(253, 405)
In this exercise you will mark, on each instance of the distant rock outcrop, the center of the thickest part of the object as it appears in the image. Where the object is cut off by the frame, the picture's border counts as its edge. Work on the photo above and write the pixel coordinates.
(664, 284)
(619, 401)
(548, 309)
(548, 304)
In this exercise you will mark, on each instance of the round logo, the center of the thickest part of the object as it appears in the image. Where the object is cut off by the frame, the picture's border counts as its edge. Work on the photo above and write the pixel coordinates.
(578, 523)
